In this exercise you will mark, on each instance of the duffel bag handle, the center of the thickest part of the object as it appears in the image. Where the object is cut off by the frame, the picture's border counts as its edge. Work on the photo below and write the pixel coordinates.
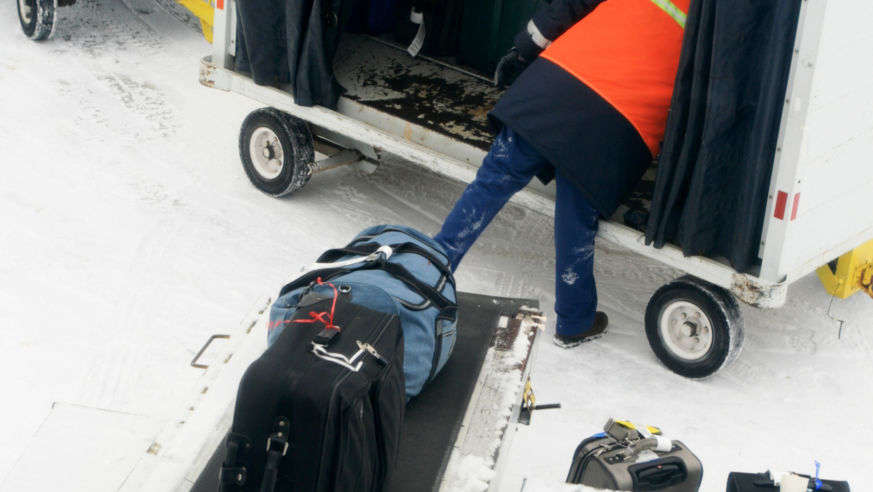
(398, 248)
(384, 251)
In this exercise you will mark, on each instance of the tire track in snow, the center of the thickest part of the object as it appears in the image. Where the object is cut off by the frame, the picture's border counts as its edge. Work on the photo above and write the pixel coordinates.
(111, 377)
(106, 36)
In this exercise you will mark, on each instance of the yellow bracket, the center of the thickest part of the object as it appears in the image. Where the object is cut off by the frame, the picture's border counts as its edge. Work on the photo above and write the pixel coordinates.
(527, 397)
(205, 11)
(867, 280)
(849, 273)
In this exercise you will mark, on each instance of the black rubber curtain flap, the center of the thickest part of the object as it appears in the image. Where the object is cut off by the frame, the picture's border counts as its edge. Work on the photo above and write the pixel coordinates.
(714, 170)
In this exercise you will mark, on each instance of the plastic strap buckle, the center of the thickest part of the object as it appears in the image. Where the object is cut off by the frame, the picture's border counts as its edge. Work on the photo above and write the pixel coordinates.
(279, 436)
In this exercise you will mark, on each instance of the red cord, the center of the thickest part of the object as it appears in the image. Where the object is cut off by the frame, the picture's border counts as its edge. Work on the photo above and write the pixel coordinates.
(320, 317)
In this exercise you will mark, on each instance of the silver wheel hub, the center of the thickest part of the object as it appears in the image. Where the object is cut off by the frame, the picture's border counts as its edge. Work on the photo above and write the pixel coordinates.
(686, 330)
(265, 150)
(26, 9)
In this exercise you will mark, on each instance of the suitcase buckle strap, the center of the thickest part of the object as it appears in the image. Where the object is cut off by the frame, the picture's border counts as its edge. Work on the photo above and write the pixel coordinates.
(233, 476)
(279, 436)
(283, 443)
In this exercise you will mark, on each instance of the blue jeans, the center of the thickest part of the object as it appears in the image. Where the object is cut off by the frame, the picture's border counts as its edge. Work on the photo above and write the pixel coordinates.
(507, 168)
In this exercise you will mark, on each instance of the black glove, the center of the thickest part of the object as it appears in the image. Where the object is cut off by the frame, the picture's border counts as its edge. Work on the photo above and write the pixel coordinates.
(509, 68)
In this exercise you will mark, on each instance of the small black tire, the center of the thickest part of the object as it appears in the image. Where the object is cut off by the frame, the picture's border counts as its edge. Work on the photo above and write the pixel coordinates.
(37, 18)
(277, 151)
(695, 328)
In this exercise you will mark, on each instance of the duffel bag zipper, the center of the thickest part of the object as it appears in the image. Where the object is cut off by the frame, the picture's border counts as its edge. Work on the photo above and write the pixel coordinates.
(372, 351)
(439, 337)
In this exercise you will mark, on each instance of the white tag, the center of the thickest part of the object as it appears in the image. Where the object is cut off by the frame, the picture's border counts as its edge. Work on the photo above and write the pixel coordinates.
(664, 444)
(793, 483)
(417, 42)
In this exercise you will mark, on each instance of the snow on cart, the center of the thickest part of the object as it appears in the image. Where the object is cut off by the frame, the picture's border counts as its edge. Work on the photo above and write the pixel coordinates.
(768, 182)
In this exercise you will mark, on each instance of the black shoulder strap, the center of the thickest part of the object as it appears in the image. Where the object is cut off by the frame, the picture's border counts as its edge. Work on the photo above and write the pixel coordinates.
(277, 447)
(397, 271)
(233, 469)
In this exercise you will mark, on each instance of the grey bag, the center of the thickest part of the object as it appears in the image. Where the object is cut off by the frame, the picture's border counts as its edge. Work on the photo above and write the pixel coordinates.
(635, 458)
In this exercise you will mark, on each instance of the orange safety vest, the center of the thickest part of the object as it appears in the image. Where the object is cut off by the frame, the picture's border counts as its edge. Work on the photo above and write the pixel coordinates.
(628, 52)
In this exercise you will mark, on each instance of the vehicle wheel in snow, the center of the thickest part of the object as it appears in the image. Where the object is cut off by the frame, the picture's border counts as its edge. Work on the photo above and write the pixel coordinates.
(694, 327)
(37, 18)
(276, 151)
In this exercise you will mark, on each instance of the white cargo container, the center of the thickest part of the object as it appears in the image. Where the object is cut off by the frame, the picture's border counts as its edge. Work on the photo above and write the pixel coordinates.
(818, 207)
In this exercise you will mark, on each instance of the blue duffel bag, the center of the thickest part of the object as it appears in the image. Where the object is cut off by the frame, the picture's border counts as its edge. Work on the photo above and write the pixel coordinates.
(407, 265)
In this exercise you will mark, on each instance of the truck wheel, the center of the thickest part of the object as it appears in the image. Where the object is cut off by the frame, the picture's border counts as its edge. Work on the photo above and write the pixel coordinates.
(695, 328)
(37, 18)
(276, 151)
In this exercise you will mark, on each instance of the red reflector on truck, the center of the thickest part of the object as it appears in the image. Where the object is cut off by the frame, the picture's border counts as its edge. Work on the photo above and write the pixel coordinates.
(781, 200)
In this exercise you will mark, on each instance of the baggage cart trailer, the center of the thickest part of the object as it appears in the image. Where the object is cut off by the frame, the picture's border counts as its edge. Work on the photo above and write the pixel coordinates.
(818, 206)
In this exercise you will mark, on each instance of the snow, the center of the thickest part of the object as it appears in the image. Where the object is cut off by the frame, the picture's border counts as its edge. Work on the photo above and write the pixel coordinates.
(129, 234)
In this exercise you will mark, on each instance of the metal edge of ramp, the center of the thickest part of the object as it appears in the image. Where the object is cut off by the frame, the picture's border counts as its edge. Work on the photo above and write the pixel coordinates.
(181, 450)
(480, 449)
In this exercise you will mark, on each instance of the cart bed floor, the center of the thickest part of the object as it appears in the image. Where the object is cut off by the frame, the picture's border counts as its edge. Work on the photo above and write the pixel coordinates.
(422, 91)
(433, 94)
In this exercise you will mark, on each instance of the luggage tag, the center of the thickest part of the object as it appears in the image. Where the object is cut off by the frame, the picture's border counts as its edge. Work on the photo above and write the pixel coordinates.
(417, 17)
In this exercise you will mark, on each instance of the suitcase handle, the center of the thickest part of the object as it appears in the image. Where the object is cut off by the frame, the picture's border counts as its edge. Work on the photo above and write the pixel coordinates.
(194, 362)
(659, 474)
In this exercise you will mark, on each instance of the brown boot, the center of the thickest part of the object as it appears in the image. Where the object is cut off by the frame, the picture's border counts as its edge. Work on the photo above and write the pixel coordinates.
(598, 329)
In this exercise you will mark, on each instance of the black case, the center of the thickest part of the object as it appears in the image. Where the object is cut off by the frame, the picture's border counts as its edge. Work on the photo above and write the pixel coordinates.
(304, 423)
(603, 462)
(761, 482)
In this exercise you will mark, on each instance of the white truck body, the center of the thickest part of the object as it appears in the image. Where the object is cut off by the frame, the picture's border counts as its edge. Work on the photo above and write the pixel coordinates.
(819, 204)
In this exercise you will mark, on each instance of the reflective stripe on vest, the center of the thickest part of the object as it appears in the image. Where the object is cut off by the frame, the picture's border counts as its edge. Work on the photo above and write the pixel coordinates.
(628, 52)
(672, 10)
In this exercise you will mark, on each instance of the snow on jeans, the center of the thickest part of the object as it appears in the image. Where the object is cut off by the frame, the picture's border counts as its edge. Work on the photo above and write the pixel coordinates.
(507, 168)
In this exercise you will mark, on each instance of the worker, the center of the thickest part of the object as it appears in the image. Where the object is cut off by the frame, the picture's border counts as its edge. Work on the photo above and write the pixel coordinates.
(588, 109)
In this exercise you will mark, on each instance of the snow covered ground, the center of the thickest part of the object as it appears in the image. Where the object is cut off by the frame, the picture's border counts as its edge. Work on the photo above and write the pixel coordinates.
(129, 234)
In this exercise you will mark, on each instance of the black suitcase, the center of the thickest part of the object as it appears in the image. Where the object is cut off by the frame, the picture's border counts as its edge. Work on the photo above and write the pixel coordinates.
(763, 482)
(321, 419)
(623, 458)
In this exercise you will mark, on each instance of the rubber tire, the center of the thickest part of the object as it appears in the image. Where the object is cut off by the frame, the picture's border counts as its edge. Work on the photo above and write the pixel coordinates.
(725, 318)
(298, 152)
(42, 21)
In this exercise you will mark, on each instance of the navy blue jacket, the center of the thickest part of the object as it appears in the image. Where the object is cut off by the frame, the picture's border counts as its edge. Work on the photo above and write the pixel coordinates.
(582, 136)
